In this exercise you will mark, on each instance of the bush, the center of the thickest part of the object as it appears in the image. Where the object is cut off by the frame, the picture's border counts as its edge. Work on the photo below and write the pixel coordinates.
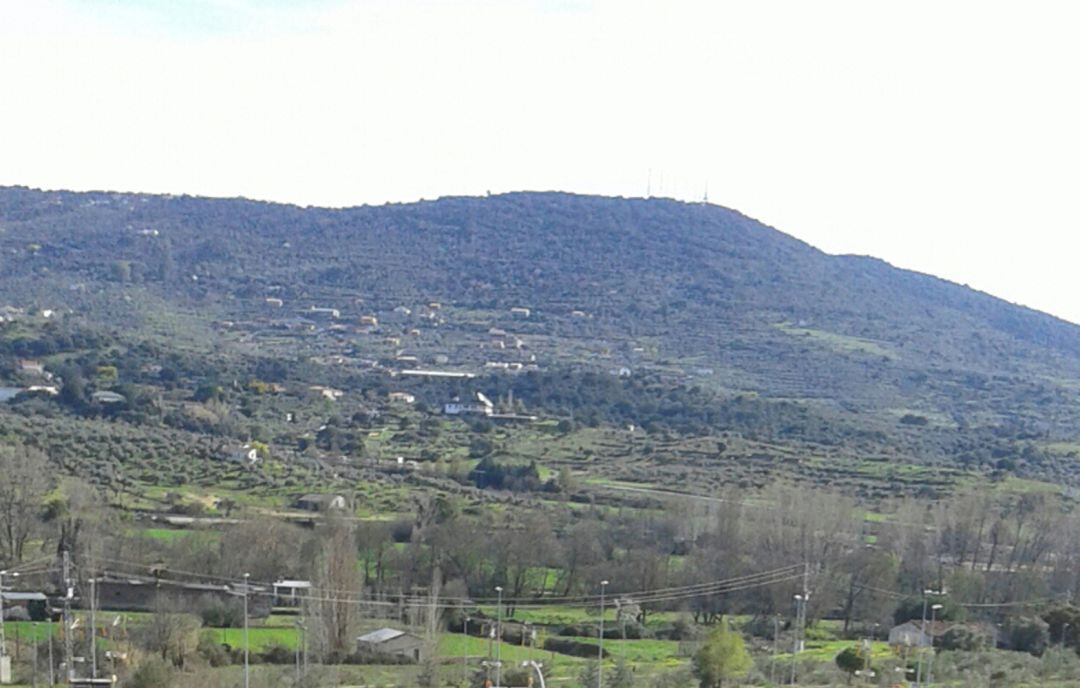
(213, 652)
(1028, 634)
(151, 673)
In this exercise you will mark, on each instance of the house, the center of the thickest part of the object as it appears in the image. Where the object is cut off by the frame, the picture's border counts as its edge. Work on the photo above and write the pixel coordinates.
(289, 593)
(520, 312)
(274, 302)
(28, 367)
(25, 606)
(918, 633)
(320, 502)
(325, 312)
(390, 642)
(402, 398)
(328, 392)
(108, 398)
(145, 594)
(246, 454)
(369, 320)
(402, 310)
(481, 407)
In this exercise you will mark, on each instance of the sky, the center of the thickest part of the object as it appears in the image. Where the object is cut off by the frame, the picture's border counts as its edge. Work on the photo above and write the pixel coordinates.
(941, 136)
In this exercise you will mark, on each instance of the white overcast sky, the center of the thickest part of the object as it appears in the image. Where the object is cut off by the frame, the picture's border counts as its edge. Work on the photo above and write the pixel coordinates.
(941, 136)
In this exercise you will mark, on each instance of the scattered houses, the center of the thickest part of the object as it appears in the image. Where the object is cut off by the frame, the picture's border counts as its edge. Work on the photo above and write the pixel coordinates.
(402, 398)
(390, 642)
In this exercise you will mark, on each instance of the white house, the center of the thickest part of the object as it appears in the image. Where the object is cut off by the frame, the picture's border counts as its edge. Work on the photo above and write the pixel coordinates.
(481, 407)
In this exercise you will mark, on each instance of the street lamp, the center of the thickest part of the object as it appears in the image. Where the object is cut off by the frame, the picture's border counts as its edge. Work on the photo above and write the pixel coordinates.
(930, 663)
(918, 667)
(600, 652)
(536, 667)
(1064, 633)
(498, 638)
(800, 606)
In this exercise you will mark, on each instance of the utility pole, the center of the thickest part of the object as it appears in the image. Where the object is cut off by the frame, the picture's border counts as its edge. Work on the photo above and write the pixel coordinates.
(498, 639)
(247, 667)
(600, 652)
(5, 661)
(69, 593)
(3, 637)
(801, 601)
(299, 642)
(52, 662)
(930, 663)
(93, 628)
(465, 647)
(775, 647)
(36, 648)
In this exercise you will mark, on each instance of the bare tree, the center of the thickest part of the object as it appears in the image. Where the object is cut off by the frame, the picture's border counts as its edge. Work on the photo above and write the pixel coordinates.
(334, 607)
(25, 482)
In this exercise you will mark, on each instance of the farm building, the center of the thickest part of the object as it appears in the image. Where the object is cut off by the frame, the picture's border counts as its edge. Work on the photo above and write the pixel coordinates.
(390, 642)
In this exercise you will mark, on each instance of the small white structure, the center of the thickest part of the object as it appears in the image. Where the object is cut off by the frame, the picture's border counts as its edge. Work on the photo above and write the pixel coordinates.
(402, 398)
(520, 312)
(246, 454)
(288, 593)
(481, 407)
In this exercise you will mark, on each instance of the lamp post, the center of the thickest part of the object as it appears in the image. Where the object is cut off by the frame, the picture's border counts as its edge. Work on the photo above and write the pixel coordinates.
(1064, 633)
(600, 652)
(922, 629)
(536, 666)
(247, 665)
(800, 606)
(930, 664)
(498, 638)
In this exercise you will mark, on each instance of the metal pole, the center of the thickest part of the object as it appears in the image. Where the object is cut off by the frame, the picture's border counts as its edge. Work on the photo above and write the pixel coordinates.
(600, 651)
(93, 628)
(3, 637)
(247, 669)
(498, 639)
(795, 642)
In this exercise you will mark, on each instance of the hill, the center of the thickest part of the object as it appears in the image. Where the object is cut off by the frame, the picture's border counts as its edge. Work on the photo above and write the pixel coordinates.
(699, 320)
